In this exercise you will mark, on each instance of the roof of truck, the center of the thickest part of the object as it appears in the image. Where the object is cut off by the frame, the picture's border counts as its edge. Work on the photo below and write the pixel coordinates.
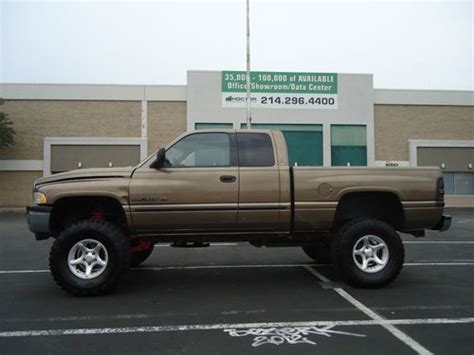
(243, 130)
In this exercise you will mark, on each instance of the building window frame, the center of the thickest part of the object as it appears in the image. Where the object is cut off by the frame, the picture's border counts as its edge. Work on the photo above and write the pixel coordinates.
(50, 141)
(414, 144)
(332, 145)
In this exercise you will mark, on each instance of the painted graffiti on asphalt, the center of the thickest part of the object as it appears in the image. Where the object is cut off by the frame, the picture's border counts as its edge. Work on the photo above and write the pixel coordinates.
(287, 335)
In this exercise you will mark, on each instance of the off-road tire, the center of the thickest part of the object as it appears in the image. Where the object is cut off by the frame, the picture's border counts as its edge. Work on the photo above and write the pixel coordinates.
(114, 241)
(136, 258)
(319, 253)
(344, 243)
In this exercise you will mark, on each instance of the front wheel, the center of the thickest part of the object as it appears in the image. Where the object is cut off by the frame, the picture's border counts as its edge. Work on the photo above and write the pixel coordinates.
(88, 257)
(369, 253)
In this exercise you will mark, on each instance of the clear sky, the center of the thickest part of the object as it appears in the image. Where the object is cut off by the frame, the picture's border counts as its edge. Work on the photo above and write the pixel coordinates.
(405, 44)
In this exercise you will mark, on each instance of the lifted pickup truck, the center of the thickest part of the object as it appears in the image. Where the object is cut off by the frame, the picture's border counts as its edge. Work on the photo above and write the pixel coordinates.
(233, 185)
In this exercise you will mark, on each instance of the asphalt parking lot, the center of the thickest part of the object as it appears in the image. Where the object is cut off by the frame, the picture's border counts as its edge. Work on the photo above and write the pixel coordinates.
(236, 299)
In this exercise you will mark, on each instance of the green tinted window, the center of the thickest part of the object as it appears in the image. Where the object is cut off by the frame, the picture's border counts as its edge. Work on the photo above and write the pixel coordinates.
(348, 145)
(204, 125)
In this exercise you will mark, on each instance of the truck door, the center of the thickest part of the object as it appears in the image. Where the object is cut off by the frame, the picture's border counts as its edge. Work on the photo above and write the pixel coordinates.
(259, 196)
(197, 189)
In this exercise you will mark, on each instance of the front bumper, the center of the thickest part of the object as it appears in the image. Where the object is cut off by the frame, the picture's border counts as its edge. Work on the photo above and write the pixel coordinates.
(38, 220)
(444, 223)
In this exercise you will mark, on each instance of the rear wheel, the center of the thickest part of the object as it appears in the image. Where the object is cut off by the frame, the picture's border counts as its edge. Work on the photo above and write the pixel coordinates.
(88, 257)
(369, 253)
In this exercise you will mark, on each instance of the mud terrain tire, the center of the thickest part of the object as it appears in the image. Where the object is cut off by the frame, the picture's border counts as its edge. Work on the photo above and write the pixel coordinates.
(99, 246)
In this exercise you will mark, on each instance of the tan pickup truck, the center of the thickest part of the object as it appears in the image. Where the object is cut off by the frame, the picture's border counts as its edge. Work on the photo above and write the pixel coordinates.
(232, 185)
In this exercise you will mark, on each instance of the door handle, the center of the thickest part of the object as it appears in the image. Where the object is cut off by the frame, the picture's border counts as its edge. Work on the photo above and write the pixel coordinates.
(228, 178)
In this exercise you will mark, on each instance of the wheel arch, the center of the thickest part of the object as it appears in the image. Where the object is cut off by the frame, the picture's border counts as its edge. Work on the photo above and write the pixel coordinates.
(70, 209)
(383, 205)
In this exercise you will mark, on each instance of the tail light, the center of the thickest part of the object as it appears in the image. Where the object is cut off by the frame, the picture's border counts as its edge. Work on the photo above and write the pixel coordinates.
(440, 190)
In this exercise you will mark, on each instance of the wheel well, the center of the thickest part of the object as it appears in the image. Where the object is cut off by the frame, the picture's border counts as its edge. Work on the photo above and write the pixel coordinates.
(384, 206)
(72, 209)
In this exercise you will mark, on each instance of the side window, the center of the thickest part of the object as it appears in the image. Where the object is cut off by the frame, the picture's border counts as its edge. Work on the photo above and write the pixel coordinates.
(200, 150)
(255, 149)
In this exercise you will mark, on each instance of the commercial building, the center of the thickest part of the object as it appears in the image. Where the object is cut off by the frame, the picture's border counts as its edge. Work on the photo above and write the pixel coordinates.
(328, 119)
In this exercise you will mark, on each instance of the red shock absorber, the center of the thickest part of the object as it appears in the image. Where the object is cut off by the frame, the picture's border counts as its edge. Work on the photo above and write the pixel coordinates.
(98, 215)
(142, 244)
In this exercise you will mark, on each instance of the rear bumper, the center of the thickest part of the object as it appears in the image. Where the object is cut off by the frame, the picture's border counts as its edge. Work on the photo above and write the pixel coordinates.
(38, 220)
(443, 224)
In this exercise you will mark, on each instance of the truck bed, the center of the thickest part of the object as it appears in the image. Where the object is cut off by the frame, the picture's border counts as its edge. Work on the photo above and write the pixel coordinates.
(318, 190)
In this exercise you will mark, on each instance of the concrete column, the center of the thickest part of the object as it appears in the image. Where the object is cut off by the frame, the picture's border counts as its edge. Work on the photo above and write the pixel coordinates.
(144, 123)
(326, 144)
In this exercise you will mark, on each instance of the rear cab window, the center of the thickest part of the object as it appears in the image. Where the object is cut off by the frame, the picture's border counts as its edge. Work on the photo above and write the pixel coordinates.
(255, 150)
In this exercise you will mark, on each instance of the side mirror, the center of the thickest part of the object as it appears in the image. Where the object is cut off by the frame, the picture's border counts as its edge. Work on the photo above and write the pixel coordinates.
(160, 159)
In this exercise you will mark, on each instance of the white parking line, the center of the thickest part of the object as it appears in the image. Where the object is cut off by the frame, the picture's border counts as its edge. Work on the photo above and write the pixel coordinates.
(220, 326)
(405, 338)
(465, 221)
(239, 266)
(460, 263)
(440, 242)
(147, 316)
(405, 242)
(196, 267)
(23, 271)
(245, 266)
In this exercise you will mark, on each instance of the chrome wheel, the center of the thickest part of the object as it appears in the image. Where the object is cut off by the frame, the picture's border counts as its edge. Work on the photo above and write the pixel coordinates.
(370, 254)
(88, 259)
